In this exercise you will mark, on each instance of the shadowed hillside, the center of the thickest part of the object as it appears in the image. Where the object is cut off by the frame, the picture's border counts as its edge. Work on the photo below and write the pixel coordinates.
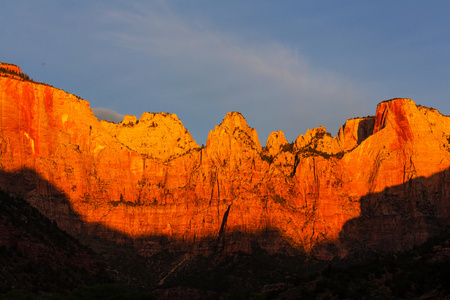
(39, 258)
(36, 256)
(172, 267)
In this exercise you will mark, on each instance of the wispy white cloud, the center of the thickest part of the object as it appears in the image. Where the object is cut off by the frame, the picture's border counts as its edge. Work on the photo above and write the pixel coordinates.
(237, 73)
(107, 114)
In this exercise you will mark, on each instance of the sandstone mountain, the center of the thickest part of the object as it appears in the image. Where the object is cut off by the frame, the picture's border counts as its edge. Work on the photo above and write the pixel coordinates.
(383, 183)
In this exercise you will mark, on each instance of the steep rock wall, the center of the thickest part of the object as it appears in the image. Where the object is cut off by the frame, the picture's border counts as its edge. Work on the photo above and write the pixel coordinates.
(156, 182)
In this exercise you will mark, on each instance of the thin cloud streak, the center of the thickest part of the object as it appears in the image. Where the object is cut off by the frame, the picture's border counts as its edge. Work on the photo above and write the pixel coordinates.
(263, 79)
(166, 36)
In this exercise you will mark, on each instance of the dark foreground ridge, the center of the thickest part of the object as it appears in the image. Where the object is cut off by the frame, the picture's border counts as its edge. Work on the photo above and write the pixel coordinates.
(39, 259)
(36, 256)
(27, 273)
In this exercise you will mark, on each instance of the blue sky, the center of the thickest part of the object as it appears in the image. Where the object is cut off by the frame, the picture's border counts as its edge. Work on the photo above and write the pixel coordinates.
(285, 65)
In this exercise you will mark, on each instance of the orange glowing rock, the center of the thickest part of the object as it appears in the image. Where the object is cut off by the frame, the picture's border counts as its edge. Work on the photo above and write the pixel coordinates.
(157, 135)
(148, 177)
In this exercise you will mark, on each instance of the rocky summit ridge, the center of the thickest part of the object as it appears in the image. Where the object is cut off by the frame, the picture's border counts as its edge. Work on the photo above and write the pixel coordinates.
(382, 183)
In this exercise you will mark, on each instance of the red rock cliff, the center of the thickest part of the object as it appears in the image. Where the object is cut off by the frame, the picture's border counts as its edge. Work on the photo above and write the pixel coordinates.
(383, 182)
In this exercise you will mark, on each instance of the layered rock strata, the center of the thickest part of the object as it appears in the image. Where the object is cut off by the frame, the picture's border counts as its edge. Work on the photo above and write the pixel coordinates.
(383, 182)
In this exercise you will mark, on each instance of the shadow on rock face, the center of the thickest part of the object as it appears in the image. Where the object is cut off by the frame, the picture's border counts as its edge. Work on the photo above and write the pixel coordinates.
(396, 219)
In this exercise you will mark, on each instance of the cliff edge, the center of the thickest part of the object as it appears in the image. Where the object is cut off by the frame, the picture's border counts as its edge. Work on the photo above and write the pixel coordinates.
(382, 183)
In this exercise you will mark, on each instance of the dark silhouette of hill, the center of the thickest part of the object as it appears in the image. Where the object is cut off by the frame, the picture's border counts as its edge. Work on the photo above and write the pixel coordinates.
(401, 216)
(34, 247)
(36, 256)
(420, 273)
(127, 260)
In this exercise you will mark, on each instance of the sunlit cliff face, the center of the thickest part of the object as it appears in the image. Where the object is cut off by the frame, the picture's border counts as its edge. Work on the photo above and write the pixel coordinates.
(148, 177)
